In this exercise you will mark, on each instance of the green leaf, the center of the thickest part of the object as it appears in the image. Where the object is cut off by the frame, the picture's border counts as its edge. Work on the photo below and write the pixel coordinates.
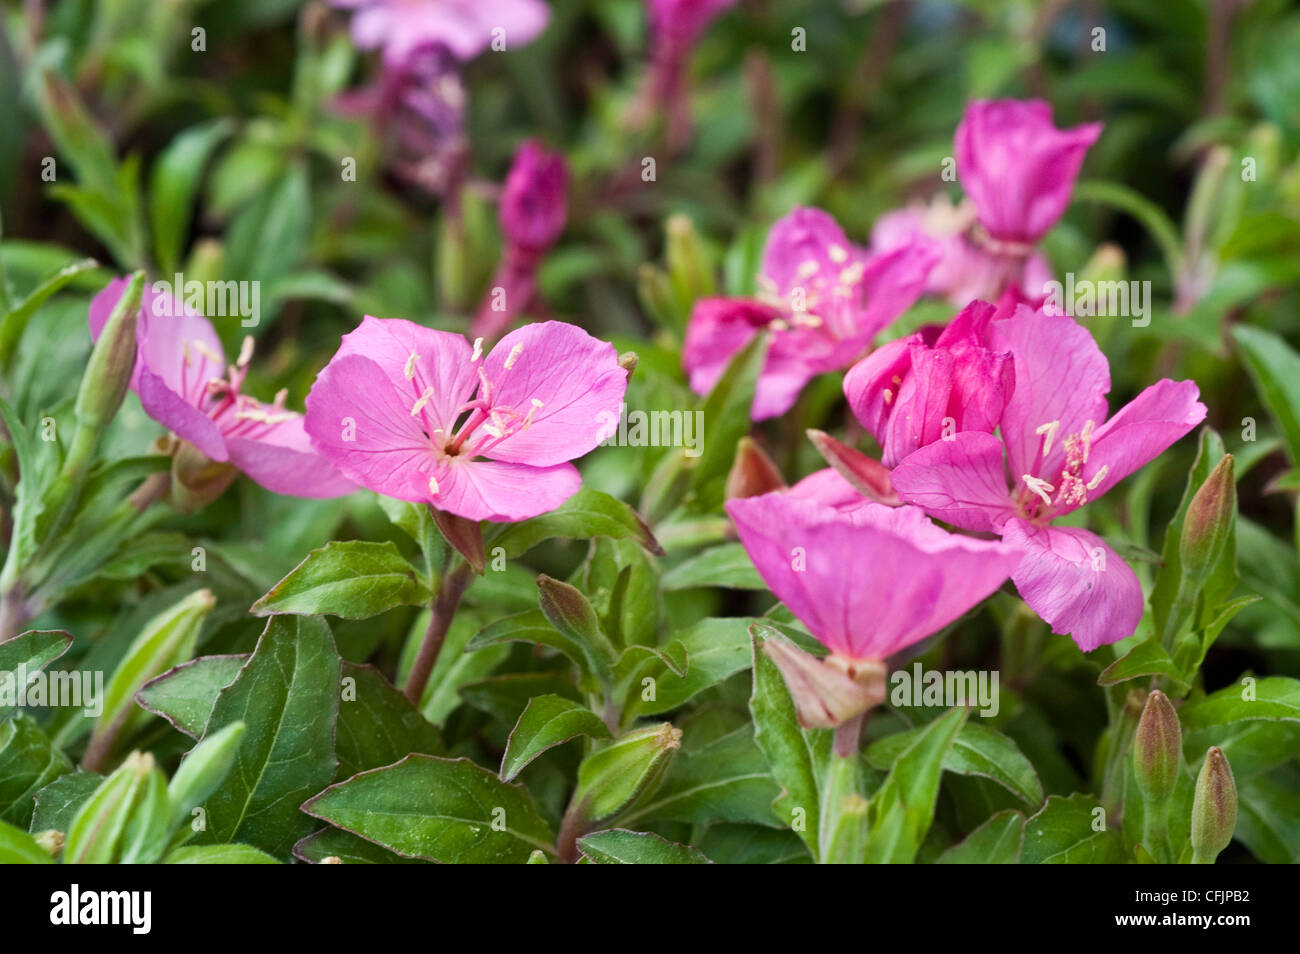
(1268, 816)
(996, 842)
(447, 810)
(185, 694)
(173, 185)
(377, 724)
(547, 721)
(347, 848)
(354, 579)
(1147, 658)
(1273, 697)
(28, 762)
(588, 513)
(1064, 831)
(1150, 215)
(219, 855)
(977, 750)
(19, 848)
(618, 846)
(795, 756)
(288, 696)
(57, 803)
(1275, 368)
(903, 809)
(715, 649)
(533, 627)
(15, 321)
(727, 566)
(268, 238)
(32, 650)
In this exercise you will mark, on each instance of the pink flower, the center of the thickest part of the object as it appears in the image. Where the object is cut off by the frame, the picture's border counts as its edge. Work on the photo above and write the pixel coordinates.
(679, 23)
(869, 580)
(534, 202)
(939, 381)
(1017, 167)
(822, 299)
(464, 27)
(420, 415)
(185, 384)
(1061, 450)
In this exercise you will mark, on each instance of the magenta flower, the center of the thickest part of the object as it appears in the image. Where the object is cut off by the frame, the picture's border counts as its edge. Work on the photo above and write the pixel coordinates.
(534, 207)
(675, 27)
(939, 381)
(1061, 450)
(420, 415)
(1017, 167)
(822, 299)
(185, 384)
(464, 27)
(919, 578)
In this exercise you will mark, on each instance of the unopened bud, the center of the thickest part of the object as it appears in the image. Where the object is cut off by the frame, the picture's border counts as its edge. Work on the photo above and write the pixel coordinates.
(689, 264)
(464, 535)
(868, 476)
(1207, 523)
(534, 200)
(1214, 807)
(98, 831)
(1156, 746)
(752, 472)
(628, 361)
(108, 372)
(205, 768)
(51, 840)
(827, 692)
(612, 778)
(197, 479)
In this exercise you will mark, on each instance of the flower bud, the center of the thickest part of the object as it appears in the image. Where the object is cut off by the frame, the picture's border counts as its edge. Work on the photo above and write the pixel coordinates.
(1207, 523)
(464, 535)
(827, 692)
(98, 831)
(197, 480)
(752, 472)
(1214, 807)
(51, 840)
(868, 476)
(1156, 746)
(534, 202)
(690, 266)
(203, 769)
(108, 372)
(611, 778)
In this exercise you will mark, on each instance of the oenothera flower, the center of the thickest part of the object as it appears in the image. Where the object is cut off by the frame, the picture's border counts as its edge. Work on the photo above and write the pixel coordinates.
(423, 415)
(822, 299)
(867, 580)
(184, 383)
(939, 381)
(1018, 171)
(1061, 450)
(464, 27)
(534, 207)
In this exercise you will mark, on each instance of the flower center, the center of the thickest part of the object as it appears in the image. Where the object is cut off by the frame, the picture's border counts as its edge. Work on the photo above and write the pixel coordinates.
(1069, 490)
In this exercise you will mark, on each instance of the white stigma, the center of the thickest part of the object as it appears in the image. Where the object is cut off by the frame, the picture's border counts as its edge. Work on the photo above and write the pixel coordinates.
(1048, 432)
(1040, 487)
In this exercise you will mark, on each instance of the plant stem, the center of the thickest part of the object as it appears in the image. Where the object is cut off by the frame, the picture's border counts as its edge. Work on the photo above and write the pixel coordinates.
(451, 589)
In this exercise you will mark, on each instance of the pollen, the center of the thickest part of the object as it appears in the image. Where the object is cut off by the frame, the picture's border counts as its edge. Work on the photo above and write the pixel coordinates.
(408, 370)
(808, 268)
(433, 486)
(204, 350)
(478, 350)
(1098, 477)
(839, 255)
(1039, 486)
(424, 399)
(245, 352)
(853, 274)
(515, 352)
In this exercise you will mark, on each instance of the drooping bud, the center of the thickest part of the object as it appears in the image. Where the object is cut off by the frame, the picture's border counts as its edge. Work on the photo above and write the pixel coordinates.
(197, 479)
(827, 692)
(534, 201)
(1156, 746)
(611, 778)
(568, 610)
(1207, 524)
(868, 476)
(752, 472)
(464, 535)
(1214, 808)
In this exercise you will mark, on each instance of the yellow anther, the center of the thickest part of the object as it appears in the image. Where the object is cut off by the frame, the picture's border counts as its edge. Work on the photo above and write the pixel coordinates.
(424, 399)
(1039, 486)
(408, 371)
(245, 352)
(515, 352)
(1098, 477)
(478, 349)
(1048, 432)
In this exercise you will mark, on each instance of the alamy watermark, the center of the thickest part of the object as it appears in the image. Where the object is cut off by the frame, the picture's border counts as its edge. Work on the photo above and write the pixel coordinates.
(639, 428)
(77, 689)
(212, 299)
(1085, 298)
(945, 689)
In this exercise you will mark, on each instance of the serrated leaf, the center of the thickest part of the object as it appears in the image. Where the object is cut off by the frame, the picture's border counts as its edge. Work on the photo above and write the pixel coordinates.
(287, 695)
(354, 579)
(618, 846)
(447, 810)
(547, 721)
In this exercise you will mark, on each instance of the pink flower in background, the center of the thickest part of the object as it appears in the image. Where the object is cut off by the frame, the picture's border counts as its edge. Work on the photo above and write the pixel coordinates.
(910, 393)
(422, 415)
(464, 27)
(534, 208)
(822, 299)
(1017, 167)
(679, 23)
(1061, 450)
(185, 384)
(675, 27)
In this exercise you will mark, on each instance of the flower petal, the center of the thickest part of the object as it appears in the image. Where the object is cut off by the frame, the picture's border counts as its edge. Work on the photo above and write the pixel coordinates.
(280, 457)
(719, 328)
(960, 481)
(1076, 583)
(503, 491)
(180, 416)
(575, 377)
